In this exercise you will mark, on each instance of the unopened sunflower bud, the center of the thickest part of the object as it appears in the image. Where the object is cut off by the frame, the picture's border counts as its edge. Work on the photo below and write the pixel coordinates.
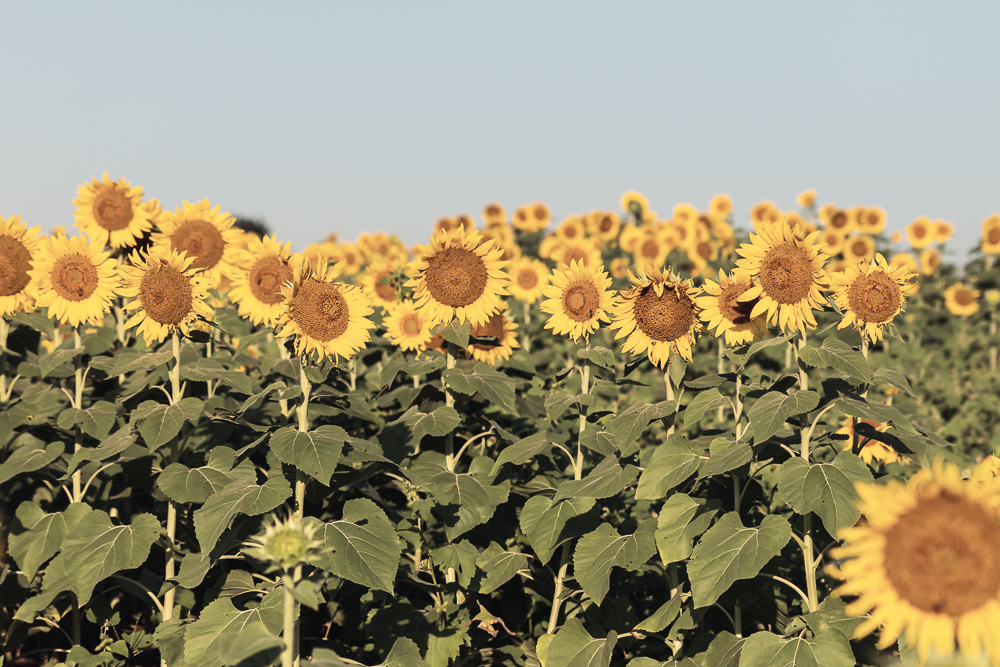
(286, 544)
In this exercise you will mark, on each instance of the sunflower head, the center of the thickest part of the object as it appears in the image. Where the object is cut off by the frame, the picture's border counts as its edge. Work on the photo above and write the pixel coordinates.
(721, 206)
(858, 249)
(205, 234)
(723, 312)
(501, 327)
(381, 283)
(285, 544)
(408, 327)
(257, 276)
(921, 233)
(76, 280)
(991, 235)
(578, 300)
(806, 199)
(765, 211)
(658, 315)
(112, 212)
(635, 204)
(930, 260)
(493, 214)
(871, 295)
(605, 225)
(872, 450)
(961, 300)
(528, 279)
(18, 247)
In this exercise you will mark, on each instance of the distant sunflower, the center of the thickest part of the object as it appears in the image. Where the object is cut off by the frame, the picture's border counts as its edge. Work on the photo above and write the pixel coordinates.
(501, 327)
(630, 236)
(206, 235)
(921, 232)
(111, 212)
(583, 251)
(327, 318)
(906, 261)
(76, 280)
(493, 214)
(943, 231)
(379, 285)
(444, 224)
(350, 256)
(961, 300)
(685, 214)
(257, 276)
(870, 295)
(620, 266)
(528, 279)
(765, 211)
(897, 237)
(570, 230)
(532, 218)
(926, 560)
(991, 235)
(459, 277)
(859, 248)
(605, 225)
(793, 220)
(651, 251)
(790, 275)
(578, 300)
(930, 259)
(840, 220)
(806, 199)
(871, 450)
(169, 293)
(831, 242)
(721, 206)
(871, 220)
(722, 310)
(407, 327)
(636, 204)
(658, 315)
(18, 246)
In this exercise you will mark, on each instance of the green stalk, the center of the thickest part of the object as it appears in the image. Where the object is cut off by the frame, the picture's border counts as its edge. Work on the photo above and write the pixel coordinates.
(991, 344)
(289, 655)
(302, 414)
(78, 404)
(670, 393)
(4, 329)
(856, 445)
(807, 539)
(177, 391)
(449, 401)
(721, 369)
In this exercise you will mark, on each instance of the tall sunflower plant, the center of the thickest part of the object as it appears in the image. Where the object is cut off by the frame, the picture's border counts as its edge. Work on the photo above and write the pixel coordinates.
(475, 453)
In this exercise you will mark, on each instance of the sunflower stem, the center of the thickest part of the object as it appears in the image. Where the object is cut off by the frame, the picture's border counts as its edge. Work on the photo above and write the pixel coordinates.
(719, 414)
(856, 445)
(302, 415)
(353, 365)
(4, 329)
(170, 569)
(449, 401)
(992, 342)
(807, 538)
(670, 394)
(78, 404)
(289, 655)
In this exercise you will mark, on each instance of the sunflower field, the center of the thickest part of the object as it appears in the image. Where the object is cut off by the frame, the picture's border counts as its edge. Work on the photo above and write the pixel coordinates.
(624, 439)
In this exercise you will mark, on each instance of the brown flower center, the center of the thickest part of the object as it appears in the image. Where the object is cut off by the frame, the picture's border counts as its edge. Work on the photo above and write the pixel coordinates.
(943, 556)
(663, 318)
(166, 295)
(650, 248)
(993, 236)
(786, 273)
(74, 277)
(495, 326)
(456, 277)
(737, 312)
(704, 249)
(201, 240)
(320, 310)
(410, 324)
(963, 297)
(527, 278)
(383, 286)
(493, 211)
(580, 301)
(112, 209)
(875, 298)
(920, 230)
(541, 213)
(15, 262)
(575, 254)
(838, 220)
(606, 223)
(569, 231)
(859, 248)
(266, 278)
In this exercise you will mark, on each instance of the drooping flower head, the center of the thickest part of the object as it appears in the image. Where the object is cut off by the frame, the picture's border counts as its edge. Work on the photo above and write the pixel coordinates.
(257, 276)
(76, 280)
(871, 294)
(658, 315)
(18, 246)
(578, 300)
(112, 212)
(501, 327)
(726, 314)
(205, 234)
(806, 199)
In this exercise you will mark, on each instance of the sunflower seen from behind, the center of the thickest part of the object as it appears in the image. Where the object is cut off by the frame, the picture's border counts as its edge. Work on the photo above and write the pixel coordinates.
(789, 275)
(458, 276)
(326, 318)
(169, 293)
(925, 562)
(257, 276)
(205, 234)
(723, 312)
(578, 300)
(76, 280)
(112, 212)
(407, 327)
(871, 294)
(961, 300)
(528, 279)
(18, 247)
(501, 327)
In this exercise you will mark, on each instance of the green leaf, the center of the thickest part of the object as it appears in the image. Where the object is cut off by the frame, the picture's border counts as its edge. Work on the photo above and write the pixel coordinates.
(547, 524)
(560, 400)
(702, 404)
(195, 485)
(724, 455)
(773, 409)
(627, 426)
(414, 368)
(94, 549)
(601, 442)
(663, 616)
(894, 378)
(158, 423)
(460, 557)
(205, 370)
(284, 393)
(522, 451)
(500, 566)
(825, 488)
(877, 412)
(456, 333)
(365, 548)
(128, 361)
(116, 444)
(827, 649)
(676, 368)
(724, 651)
(574, 647)
(404, 653)
(837, 354)
(193, 569)
(730, 551)
(97, 420)
(438, 423)
(43, 534)
(681, 519)
(831, 614)
(221, 622)
(672, 463)
(492, 384)
(255, 645)
(601, 356)
(32, 455)
(54, 360)
(604, 481)
(597, 552)
(240, 497)
(315, 452)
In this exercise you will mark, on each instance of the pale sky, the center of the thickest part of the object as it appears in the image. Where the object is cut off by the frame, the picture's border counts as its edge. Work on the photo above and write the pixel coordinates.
(384, 116)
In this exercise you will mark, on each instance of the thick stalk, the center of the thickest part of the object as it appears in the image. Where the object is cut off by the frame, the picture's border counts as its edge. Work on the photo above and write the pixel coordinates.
(807, 539)
(992, 342)
(449, 400)
(856, 445)
(289, 655)
(175, 398)
(302, 415)
(354, 373)
(526, 339)
(4, 329)
(78, 404)
(722, 369)
(670, 393)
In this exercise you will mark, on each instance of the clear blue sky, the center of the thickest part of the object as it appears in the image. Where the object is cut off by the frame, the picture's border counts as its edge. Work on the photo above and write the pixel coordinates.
(384, 116)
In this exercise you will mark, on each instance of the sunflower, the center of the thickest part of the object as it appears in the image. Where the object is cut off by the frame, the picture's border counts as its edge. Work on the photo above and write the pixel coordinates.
(921, 232)
(578, 300)
(458, 277)
(257, 276)
(897, 237)
(326, 317)
(961, 300)
(943, 231)
(806, 199)
(445, 224)
(76, 280)
(871, 450)
(839, 219)
(870, 220)
(604, 225)
(379, 284)
(570, 230)
(831, 242)
(630, 236)
(906, 261)
(858, 248)
(111, 213)
(408, 327)
(926, 560)
(722, 310)
(493, 214)
(528, 279)
(685, 214)
(930, 259)
(206, 235)
(350, 256)
(619, 267)
(18, 246)
(651, 251)
(500, 327)
(532, 218)
(636, 204)
(721, 206)
(871, 294)
(765, 211)
(789, 271)
(583, 251)
(169, 293)
(659, 316)
(991, 235)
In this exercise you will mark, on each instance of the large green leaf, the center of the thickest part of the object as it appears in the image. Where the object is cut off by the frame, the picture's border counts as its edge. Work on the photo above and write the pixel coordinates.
(158, 423)
(415, 367)
(681, 519)
(315, 452)
(604, 481)
(724, 455)
(724, 651)
(240, 497)
(54, 360)
(829, 648)
(31, 455)
(195, 485)
(825, 488)
(455, 332)
(42, 534)
(205, 370)
(837, 354)
(127, 361)
(500, 566)
(628, 425)
(522, 451)
(495, 386)
(601, 356)
(547, 524)
(773, 409)
(121, 440)
(465, 499)
(96, 421)
(731, 551)
(877, 412)
(255, 645)
(703, 403)
(672, 463)
(363, 546)
(460, 557)
(221, 623)
(574, 647)
(437, 423)
(560, 400)
(597, 552)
